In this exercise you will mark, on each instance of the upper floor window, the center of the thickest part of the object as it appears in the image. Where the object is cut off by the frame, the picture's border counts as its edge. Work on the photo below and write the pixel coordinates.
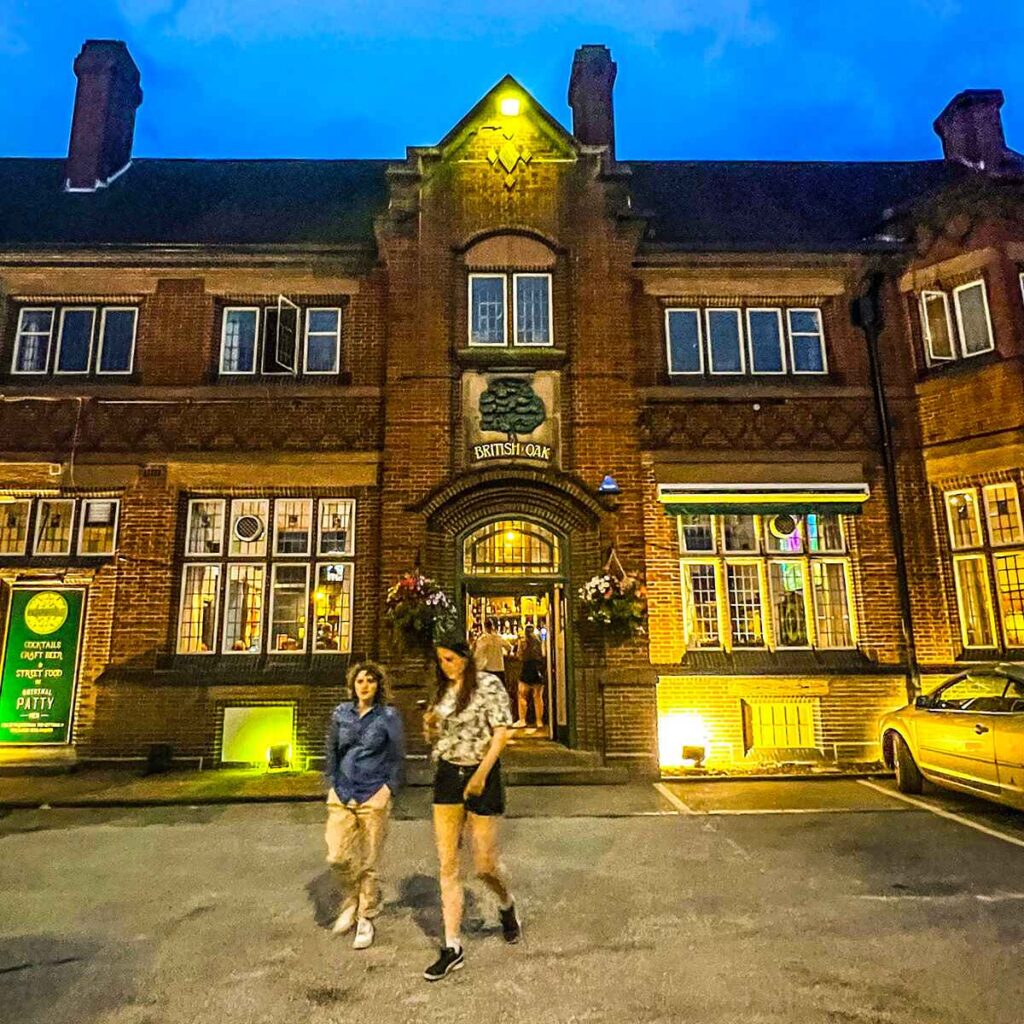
(66, 340)
(280, 339)
(491, 296)
(755, 340)
(50, 527)
(956, 325)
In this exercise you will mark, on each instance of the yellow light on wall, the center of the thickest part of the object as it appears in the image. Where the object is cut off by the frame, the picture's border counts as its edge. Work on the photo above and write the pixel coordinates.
(510, 106)
(681, 734)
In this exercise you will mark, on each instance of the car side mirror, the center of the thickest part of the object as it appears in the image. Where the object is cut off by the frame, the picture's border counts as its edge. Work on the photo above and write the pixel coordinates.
(923, 702)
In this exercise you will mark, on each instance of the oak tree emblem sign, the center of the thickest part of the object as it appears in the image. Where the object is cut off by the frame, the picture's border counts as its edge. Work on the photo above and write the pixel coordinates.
(510, 406)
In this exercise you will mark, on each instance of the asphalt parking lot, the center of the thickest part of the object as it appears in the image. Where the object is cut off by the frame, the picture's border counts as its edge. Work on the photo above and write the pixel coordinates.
(833, 901)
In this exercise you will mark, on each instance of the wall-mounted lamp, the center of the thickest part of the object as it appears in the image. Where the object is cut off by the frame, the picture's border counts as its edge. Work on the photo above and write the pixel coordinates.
(608, 486)
(510, 106)
(279, 756)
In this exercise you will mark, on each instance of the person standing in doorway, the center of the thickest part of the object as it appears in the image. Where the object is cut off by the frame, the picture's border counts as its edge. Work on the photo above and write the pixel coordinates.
(532, 679)
(489, 652)
(365, 757)
(467, 723)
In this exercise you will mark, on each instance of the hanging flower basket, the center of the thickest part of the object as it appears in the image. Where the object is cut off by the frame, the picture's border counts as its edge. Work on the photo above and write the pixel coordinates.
(416, 608)
(614, 607)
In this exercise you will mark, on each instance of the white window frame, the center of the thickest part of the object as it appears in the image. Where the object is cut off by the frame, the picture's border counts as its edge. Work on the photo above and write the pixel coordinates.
(134, 310)
(57, 371)
(321, 334)
(350, 584)
(805, 568)
(270, 644)
(741, 343)
(192, 502)
(38, 525)
(307, 503)
(336, 555)
(851, 604)
(505, 318)
(257, 341)
(715, 546)
(218, 567)
(700, 342)
(783, 354)
(790, 310)
(515, 312)
(721, 607)
(761, 564)
(263, 552)
(987, 502)
(84, 503)
(263, 566)
(52, 310)
(978, 282)
(844, 541)
(973, 492)
(995, 630)
(932, 358)
(28, 522)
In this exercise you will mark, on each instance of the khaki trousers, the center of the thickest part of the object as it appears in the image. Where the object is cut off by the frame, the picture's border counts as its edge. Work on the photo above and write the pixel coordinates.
(355, 836)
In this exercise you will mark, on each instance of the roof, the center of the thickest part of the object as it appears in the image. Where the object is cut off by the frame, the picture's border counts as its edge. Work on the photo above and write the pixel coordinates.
(763, 206)
(706, 206)
(201, 202)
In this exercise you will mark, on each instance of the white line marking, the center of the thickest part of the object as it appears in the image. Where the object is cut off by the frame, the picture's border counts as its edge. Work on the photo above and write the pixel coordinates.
(673, 799)
(793, 810)
(999, 897)
(939, 812)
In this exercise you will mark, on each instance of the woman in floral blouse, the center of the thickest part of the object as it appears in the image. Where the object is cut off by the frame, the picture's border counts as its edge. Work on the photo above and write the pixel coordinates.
(468, 723)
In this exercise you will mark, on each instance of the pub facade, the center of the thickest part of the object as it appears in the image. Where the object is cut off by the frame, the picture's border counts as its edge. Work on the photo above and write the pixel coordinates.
(240, 400)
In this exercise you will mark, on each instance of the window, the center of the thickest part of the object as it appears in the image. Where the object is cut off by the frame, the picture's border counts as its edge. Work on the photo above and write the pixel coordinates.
(55, 529)
(254, 577)
(744, 341)
(97, 530)
(530, 298)
(987, 573)
(69, 334)
(280, 340)
(511, 547)
(54, 519)
(779, 724)
(972, 334)
(786, 597)
(14, 527)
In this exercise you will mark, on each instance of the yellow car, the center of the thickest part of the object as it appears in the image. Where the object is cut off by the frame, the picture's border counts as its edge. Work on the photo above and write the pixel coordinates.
(968, 735)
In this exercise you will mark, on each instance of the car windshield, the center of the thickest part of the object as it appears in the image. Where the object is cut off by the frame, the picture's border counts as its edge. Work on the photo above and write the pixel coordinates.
(972, 691)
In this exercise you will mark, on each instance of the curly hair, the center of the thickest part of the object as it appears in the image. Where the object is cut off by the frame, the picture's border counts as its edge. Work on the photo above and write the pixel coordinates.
(373, 669)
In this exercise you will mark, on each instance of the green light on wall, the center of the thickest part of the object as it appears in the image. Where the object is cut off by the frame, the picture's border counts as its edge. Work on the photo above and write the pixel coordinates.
(250, 732)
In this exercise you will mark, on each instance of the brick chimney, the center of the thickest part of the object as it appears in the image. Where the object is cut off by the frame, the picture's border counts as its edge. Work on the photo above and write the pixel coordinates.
(971, 130)
(103, 125)
(590, 96)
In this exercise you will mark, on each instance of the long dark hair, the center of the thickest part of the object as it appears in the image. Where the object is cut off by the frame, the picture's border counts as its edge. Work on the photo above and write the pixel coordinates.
(371, 668)
(467, 686)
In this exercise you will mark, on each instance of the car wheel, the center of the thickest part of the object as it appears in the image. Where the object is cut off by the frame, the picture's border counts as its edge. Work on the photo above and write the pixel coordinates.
(908, 776)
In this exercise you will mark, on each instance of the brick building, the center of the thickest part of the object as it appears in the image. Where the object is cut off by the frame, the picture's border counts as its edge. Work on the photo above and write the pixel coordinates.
(239, 399)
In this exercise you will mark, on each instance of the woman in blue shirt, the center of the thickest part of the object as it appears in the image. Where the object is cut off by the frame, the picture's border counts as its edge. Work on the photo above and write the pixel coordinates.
(365, 756)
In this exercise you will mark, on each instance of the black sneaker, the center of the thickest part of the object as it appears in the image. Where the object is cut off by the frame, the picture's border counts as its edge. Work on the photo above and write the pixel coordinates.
(511, 927)
(449, 960)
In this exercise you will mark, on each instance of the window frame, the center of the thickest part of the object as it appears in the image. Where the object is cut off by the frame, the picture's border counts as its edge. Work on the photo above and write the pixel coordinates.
(930, 357)
(222, 553)
(264, 607)
(273, 552)
(754, 372)
(29, 531)
(995, 627)
(482, 275)
(972, 492)
(83, 505)
(740, 346)
(66, 553)
(978, 282)
(820, 335)
(1004, 553)
(851, 604)
(1019, 540)
(93, 340)
(716, 563)
(306, 371)
(19, 332)
(225, 311)
(269, 644)
(700, 341)
(350, 539)
(808, 585)
(218, 568)
(547, 277)
(349, 583)
(101, 339)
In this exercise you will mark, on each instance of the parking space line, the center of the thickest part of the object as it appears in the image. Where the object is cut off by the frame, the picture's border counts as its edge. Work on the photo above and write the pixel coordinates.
(678, 804)
(941, 813)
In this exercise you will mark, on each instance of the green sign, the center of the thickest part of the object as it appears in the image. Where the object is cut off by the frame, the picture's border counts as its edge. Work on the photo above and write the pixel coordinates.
(40, 664)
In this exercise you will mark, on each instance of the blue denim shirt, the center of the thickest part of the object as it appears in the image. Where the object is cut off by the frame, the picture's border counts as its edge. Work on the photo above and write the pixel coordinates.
(364, 753)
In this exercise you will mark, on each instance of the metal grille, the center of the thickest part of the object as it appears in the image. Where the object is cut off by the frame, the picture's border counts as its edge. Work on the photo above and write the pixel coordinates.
(532, 310)
(782, 725)
(243, 615)
(53, 527)
(975, 607)
(831, 605)
(1002, 510)
(1010, 586)
(293, 524)
(205, 527)
(289, 605)
(14, 528)
(744, 586)
(197, 622)
(511, 546)
(700, 591)
(488, 313)
(332, 608)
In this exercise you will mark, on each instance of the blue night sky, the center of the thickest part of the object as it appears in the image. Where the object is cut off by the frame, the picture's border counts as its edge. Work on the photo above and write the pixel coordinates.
(700, 79)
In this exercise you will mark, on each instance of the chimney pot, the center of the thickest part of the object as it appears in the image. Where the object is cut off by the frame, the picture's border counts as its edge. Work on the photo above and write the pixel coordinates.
(590, 96)
(103, 125)
(971, 129)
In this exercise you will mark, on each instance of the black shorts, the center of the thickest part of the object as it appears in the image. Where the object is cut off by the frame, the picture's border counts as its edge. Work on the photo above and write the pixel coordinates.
(450, 783)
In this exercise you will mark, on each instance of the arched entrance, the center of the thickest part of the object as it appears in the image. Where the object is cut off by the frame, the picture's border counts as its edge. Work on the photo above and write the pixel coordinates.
(512, 575)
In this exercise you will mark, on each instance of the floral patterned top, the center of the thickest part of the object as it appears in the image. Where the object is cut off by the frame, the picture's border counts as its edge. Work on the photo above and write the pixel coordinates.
(464, 738)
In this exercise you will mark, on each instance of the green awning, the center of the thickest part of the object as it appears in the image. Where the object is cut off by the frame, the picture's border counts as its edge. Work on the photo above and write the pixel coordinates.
(762, 499)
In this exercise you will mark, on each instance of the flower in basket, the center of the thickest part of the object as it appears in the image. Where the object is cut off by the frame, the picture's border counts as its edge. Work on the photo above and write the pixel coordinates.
(416, 607)
(616, 606)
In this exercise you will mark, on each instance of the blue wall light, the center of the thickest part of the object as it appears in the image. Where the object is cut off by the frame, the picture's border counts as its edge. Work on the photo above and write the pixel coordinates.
(608, 486)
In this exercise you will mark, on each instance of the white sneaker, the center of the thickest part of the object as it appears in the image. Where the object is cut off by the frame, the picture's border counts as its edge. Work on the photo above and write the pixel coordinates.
(346, 919)
(364, 934)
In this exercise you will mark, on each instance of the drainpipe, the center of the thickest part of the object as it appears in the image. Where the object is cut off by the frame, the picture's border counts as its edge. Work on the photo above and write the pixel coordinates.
(866, 313)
